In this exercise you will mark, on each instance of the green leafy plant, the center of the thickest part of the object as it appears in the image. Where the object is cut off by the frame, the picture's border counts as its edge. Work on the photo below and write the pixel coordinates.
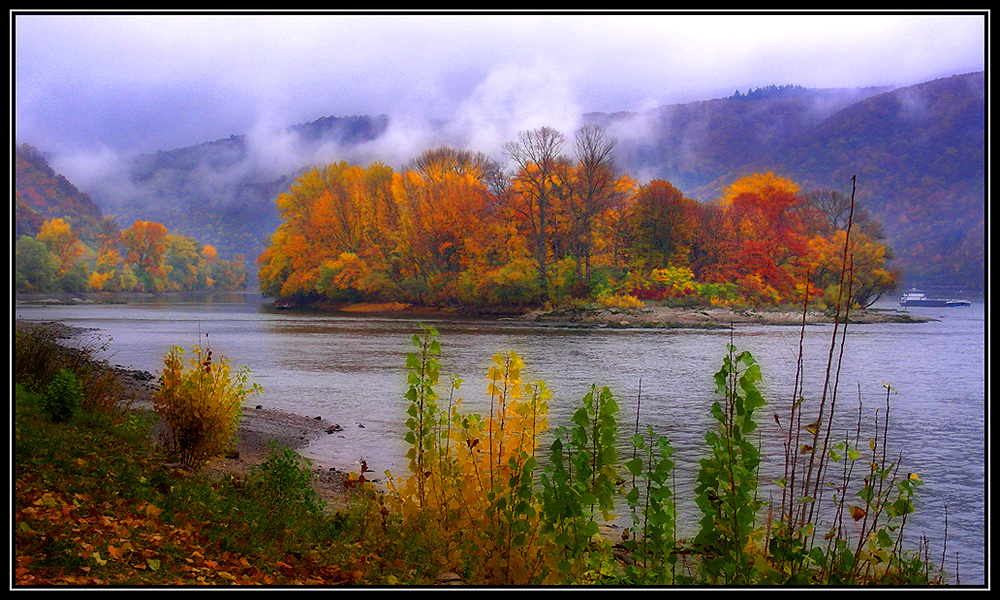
(727, 478)
(63, 397)
(283, 482)
(579, 485)
(653, 540)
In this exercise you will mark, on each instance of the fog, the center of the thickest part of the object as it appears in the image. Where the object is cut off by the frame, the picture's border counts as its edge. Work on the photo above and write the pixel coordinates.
(93, 90)
(139, 83)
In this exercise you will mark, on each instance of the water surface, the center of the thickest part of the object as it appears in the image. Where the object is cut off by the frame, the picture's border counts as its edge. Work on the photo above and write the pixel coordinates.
(350, 370)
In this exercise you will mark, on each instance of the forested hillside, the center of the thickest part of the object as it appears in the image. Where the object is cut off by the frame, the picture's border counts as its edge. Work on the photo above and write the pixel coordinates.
(693, 145)
(918, 153)
(40, 193)
(223, 192)
(63, 243)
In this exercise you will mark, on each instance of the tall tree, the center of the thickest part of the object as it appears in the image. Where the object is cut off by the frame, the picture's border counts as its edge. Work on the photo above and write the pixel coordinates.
(869, 257)
(663, 224)
(146, 247)
(593, 188)
(767, 220)
(537, 156)
(59, 238)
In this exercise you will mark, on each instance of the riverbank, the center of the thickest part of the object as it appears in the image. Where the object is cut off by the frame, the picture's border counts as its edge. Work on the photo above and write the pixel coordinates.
(647, 317)
(258, 428)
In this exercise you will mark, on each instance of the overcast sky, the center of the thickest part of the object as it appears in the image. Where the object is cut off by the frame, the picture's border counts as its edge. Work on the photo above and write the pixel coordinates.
(138, 83)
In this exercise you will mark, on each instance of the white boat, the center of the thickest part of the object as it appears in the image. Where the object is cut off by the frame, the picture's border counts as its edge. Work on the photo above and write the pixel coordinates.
(915, 298)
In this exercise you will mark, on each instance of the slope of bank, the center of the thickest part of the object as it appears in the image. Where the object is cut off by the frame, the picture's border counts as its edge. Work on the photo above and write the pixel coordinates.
(258, 429)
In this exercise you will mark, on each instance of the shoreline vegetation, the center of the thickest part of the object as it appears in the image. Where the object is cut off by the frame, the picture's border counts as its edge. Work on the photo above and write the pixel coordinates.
(258, 427)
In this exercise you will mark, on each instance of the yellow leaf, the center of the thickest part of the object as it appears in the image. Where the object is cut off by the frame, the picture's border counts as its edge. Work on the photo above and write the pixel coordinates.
(97, 558)
(154, 563)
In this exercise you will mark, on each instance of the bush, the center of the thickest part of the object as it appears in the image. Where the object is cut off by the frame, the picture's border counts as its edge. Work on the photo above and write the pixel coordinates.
(201, 404)
(283, 482)
(620, 301)
(36, 356)
(63, 396)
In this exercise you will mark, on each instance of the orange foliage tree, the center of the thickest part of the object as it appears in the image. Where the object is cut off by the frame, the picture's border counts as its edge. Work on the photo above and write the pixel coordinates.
(453, 229)
(765, 225)
(146, 248)
(58, 237)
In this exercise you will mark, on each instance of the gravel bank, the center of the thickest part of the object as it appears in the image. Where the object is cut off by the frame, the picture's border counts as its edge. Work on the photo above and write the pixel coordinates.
(258, 429)
(667, 317)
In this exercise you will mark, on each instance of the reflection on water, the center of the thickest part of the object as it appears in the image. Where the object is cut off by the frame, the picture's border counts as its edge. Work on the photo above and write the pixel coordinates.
(350, 370)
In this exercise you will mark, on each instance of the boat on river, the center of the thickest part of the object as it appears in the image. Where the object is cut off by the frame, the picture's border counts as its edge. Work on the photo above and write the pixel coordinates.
(920, 299)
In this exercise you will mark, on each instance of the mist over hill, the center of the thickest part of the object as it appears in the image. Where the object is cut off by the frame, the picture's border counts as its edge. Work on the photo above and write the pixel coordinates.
(918, 153)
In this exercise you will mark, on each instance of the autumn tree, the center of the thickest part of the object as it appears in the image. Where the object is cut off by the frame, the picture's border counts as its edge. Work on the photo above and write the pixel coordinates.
(833, 210)
(146, 247)
(444, 161)
(766, 223)
(62, 242)
(59, 238)
(186, 266)
(594, 187)
(537, 188)
(841, 221)
(445, 229)
(662, 226)
(109, 264)
(319, 222)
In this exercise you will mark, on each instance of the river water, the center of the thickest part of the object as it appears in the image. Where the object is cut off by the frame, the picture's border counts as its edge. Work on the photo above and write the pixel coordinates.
(350, 370)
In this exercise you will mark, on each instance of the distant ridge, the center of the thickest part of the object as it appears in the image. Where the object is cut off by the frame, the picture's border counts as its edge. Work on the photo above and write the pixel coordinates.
(918, 153)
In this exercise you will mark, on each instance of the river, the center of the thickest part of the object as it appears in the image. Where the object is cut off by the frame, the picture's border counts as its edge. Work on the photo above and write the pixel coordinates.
(350, 370)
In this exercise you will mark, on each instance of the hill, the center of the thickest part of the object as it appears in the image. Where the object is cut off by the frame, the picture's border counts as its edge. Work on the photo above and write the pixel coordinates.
(919, 156)
(694, 144)
(40, 193)
(918, 153)
(223, 192)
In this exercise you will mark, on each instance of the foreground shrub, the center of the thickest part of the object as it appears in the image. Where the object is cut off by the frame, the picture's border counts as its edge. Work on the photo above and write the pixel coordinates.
(201, 404)
(63, 396)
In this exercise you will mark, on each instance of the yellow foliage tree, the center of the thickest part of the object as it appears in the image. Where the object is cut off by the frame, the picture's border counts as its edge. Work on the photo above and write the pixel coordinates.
(58, 237)
(201, 404)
